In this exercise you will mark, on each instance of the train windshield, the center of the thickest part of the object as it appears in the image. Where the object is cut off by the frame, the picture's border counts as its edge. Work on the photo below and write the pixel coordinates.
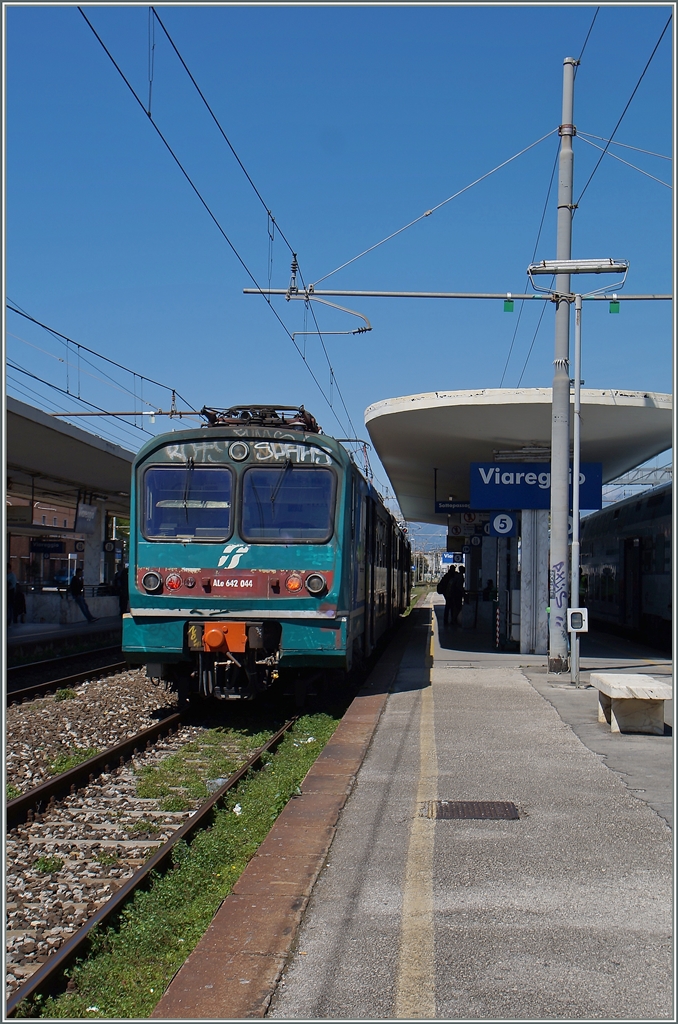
(188, 501)
(288, 504)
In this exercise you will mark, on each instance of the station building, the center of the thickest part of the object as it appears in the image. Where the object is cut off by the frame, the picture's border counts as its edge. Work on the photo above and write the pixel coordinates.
(67, 507)
(427, 444)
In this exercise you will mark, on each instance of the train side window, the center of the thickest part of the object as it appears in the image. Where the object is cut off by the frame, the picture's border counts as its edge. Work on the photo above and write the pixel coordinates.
(187, 501)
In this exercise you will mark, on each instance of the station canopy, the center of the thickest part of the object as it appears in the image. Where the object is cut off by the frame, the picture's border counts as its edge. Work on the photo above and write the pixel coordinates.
(447, 430)
(55, 461)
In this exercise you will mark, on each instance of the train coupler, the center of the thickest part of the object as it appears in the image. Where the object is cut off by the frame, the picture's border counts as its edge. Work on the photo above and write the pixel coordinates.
(236, 660)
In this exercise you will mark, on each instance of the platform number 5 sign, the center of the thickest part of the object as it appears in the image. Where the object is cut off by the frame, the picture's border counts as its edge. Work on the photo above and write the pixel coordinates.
(502, 524)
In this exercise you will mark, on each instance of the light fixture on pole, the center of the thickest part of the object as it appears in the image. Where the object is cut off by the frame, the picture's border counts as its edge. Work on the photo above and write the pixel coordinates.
(604, 266)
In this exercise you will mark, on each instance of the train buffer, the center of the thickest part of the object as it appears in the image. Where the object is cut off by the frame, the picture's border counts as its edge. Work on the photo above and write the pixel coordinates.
(631, 703)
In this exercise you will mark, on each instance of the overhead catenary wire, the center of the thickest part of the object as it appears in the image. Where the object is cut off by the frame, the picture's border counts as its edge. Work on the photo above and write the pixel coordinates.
(623, 113)
(628, 164)
(31, 394)
(15, 308)
(541, 225)
(109, 382)
(272, 224)
(581, 53)
(210, 213)
(534, 254)
(221, 130)
(434, 209)
(624, 145)
(608, 142)
(62, 391)
(534, 338)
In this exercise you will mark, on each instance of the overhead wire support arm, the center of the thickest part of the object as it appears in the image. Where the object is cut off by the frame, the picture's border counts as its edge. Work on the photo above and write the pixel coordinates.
(152, 413)
(308, 297)
(311, 293)
(436, 295)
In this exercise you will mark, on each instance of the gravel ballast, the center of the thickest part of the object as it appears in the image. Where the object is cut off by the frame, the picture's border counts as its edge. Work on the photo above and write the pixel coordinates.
(103, 712)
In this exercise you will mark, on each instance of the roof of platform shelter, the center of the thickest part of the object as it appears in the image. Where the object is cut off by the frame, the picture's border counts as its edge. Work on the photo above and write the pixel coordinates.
(447, 430)
(59, 461)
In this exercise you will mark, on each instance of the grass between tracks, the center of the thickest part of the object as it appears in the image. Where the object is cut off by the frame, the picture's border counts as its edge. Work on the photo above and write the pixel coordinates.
(131, 965)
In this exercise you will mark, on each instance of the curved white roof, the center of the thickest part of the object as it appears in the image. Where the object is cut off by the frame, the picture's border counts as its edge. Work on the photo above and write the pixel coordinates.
(447, 430)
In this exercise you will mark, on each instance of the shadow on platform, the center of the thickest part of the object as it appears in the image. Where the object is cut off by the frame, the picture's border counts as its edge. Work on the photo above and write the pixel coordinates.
(595, 646)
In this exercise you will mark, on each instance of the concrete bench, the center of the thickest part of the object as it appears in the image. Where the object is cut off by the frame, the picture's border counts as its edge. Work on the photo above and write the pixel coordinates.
(631, 703)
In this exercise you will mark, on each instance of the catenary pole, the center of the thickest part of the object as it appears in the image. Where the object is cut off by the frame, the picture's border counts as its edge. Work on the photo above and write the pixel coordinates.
(576, 461)
(560, 413)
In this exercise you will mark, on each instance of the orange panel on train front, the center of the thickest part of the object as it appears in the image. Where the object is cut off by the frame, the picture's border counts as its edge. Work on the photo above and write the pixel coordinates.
(226, 636)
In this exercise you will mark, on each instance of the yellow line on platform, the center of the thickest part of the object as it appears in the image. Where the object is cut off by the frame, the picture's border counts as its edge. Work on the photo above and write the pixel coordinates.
(415, 982)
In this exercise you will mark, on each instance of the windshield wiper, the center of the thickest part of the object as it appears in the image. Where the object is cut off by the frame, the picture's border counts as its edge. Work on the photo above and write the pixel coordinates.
(276, 489)
(187, 486)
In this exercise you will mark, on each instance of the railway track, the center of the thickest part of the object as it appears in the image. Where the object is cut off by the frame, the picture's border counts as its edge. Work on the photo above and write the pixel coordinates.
(15, 669)
(18, 696)
(49, 976)
(35, 800)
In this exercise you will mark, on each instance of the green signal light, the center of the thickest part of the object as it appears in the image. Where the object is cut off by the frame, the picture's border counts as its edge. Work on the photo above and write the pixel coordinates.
(614, 307)
(508, 305)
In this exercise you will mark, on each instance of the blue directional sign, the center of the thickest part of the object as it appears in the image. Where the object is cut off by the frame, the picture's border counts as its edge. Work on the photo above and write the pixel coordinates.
(516, 485)
(447, 558)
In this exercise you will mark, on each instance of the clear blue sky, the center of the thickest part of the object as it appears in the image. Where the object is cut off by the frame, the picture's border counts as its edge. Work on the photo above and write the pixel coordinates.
(351, 121)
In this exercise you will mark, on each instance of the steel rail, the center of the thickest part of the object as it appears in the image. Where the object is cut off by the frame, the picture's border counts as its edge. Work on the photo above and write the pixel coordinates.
(46, 978)
(62, 657)
(38, 689)
(38, 798)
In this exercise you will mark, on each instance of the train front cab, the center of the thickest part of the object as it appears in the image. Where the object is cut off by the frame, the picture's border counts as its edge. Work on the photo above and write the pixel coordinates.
(229, 604)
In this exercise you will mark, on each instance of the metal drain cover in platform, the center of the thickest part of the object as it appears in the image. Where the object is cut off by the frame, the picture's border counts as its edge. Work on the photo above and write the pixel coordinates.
(471, 809)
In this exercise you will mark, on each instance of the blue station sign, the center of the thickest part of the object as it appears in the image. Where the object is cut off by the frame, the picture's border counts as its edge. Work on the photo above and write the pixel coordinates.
(516, 485)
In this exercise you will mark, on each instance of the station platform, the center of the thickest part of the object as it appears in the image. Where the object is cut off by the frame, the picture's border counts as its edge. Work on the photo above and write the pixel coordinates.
(364, 903)
(564, 913)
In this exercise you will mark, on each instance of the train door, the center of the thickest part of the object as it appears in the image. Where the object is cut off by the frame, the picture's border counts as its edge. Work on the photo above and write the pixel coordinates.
(391, 574)
(631, 595)
(369, 576)
(358, 541)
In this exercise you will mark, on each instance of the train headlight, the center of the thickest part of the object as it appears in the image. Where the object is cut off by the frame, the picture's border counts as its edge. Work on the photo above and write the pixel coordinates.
(173, 581)
(239, 451)
(294, 583)
(315, 583)
(151, 581)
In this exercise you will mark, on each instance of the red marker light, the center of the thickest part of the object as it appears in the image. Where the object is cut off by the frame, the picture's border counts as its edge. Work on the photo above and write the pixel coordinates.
(294, 583)
(173, 581)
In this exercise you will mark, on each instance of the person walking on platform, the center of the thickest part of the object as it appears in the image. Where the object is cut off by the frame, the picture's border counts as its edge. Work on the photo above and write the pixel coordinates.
(11, 593)
(19, 605)
(76, 589)
(121, 587)
(456, 598)
(451, 587)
